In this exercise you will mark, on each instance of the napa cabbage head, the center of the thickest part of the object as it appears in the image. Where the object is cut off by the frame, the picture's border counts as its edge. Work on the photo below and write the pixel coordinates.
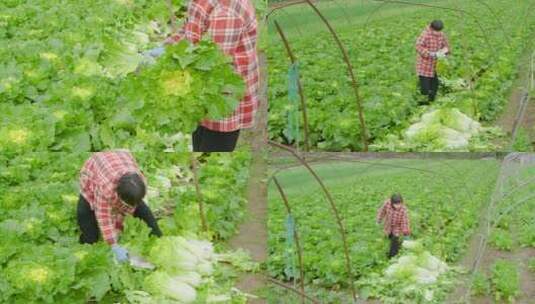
(163, 286)
(38, 275)
(171, 253)
(48, 56)
(82, 92)
(176, 83)
(60, 114)
(80, 254)
(18, 136)
(28, 275)
(87, 67)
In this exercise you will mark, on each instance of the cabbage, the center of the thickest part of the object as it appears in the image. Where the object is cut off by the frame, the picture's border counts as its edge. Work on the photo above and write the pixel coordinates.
(218, 299)
(184, 264)
(87, 67)
(202, 249)
(413, 245)
(176, 83)
(205, 268)
(425, 276)
(239, 259)
(171, 253)
(192, 278)
(446, 128)
(418, 266)
(160, 284)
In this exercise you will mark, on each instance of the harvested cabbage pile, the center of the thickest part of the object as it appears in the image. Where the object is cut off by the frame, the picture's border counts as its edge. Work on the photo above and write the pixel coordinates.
(416, 271)
(416, 276)
(417, 267)
(185, 270)
(444, 129)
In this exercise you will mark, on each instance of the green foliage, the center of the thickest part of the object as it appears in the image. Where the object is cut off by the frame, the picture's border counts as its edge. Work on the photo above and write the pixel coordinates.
(501, 239)
(480, 285)
(73, 72)
(526, 234)
(522, 141)
(531, 264)
(57, 274)
(505, 280)
(380, 42)
(39, 253)
(443, 207)
(187, 84)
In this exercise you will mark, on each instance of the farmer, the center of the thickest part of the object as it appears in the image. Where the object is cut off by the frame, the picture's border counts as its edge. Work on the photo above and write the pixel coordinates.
(430, 46)
(232, 25)
(395, 216)
(112, 187)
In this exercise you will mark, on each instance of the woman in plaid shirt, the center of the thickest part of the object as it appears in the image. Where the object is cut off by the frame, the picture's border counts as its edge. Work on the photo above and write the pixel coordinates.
(232, 25)
(111, 187)
(395, 216)
(430, 46)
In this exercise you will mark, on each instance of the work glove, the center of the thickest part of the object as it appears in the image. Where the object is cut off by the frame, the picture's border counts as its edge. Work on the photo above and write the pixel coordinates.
(149, 57)
(441, 53)
(121, 254)
(433, 54)
(406, 238)
(156, 52)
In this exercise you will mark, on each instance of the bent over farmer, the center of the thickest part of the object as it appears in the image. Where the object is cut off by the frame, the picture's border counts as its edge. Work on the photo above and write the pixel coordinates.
(232, 25)
(111, 187)
(395, 217)
(430, 46)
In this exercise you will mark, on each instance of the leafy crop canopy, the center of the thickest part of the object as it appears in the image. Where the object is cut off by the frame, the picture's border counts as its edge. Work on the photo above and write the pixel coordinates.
(85, 65)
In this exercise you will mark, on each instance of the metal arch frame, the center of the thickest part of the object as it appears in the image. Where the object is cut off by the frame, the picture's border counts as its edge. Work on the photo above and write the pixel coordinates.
(305, 164)
(354, 84)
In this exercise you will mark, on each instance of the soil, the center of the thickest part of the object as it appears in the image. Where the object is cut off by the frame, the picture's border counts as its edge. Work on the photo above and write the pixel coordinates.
(519, 256)
(527, 278)
(252, 234)
(508, 118)
(529, 120)
(468, 261)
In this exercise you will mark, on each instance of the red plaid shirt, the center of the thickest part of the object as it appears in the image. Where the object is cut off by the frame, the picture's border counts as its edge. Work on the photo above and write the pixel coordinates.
(429, 41)
(396, 221)
(98, 182)
(232, 25)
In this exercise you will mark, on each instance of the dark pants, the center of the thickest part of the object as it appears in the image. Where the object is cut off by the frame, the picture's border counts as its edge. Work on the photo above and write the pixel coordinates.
(429, 87)
(206, 140)
(89, 226)
(395, 244)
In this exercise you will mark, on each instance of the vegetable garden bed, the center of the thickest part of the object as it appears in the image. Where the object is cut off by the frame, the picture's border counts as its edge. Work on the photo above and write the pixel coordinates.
(41, 260)
(444, 199)
(74, 78)
(380, 43)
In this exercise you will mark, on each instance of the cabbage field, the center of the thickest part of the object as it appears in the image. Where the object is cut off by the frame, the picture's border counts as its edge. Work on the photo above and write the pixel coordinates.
(488, 39)
(74, 77)
(505, 265)
(444, 197)
(41, 260)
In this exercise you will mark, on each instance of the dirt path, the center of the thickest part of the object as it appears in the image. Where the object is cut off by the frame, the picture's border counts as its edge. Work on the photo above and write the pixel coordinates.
(527, 279)
(508, 119)
(252, 235)
(520, 256)
(468, 261)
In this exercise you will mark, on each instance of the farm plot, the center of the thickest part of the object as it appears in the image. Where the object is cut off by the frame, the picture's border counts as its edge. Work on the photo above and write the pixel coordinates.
(41, 260)
(75, 77)
(487, 42)
(504, 261)
(444, 198)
